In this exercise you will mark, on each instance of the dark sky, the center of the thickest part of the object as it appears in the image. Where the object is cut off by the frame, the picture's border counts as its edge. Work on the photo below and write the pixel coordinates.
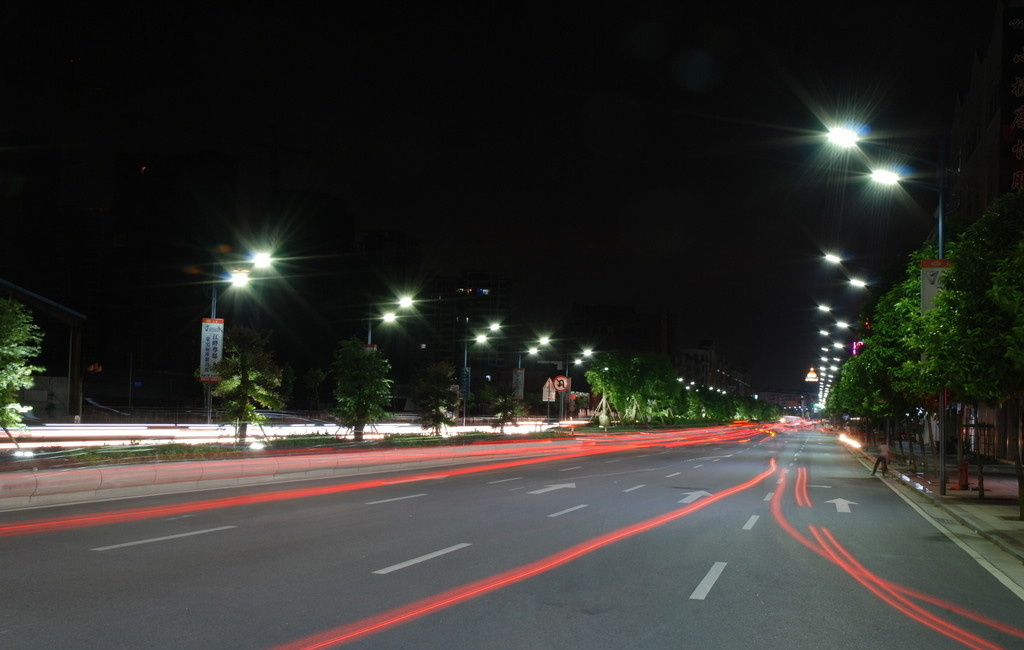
(657, 153)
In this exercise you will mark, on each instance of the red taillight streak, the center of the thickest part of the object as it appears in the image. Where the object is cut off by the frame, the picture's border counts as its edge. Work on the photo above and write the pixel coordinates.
(420, 608)
(885, 590)
(135, 514)
(800, 489)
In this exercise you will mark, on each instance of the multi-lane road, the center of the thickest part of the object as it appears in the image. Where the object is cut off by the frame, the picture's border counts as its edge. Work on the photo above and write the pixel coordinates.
(732, 538)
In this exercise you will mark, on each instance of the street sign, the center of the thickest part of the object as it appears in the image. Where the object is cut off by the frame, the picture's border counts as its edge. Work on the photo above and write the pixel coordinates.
(561, 383)
(549, 391)
(931, 281)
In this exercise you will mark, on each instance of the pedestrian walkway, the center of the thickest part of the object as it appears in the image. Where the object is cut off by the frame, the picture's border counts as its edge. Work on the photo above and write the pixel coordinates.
(994, 516)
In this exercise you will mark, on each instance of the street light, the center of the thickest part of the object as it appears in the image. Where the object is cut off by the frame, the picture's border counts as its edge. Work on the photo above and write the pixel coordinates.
(404, 302)
(889, 177)
(212, 330)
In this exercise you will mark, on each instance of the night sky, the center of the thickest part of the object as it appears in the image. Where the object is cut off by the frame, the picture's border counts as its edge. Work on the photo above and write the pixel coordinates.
(663, 154)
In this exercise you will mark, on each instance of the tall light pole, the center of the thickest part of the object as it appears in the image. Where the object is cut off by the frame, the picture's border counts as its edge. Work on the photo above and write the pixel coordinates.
(404, 302)
(212, 328)
(849, 138)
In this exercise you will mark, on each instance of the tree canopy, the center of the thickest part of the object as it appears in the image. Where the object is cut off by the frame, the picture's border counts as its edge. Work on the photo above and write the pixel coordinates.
(20, 342)
(362, 389)
(249, 378)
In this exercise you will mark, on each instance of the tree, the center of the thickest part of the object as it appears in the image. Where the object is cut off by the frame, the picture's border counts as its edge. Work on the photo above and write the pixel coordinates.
(642, 388)
(507, 409)
(362, 389)
(249, 378)
(435, 398)
(20, 341)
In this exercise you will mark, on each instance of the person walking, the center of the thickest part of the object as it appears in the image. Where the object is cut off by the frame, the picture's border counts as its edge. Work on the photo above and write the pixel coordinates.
(882, 459)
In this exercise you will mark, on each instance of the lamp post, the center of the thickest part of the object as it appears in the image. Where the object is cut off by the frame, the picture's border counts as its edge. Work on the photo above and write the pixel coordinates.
(212, 331)
(849, 138)
(404, 302)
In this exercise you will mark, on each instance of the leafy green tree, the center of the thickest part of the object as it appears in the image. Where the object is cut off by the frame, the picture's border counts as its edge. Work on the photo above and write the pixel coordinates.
(20, 342)
(1008, 293)
(507, 409)
(249, 378)
(435, 398)
(972, 335)
(362, 388)
(641, 388)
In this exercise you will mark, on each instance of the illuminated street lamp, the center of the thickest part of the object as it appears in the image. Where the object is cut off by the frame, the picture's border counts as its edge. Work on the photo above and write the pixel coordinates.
(212, 329)
(404, 302)
(889, 177)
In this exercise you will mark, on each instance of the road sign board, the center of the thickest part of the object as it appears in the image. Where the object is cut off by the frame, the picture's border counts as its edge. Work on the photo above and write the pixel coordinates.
(561, 383)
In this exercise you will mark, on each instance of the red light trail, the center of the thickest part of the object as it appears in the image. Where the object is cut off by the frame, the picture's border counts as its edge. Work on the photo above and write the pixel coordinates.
(400, 615)
(898, 597)
(34, 526)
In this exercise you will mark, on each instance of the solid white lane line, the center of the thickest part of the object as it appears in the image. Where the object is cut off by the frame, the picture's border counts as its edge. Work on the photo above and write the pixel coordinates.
(673, 474)
(408, 496)
(750, 522)
(161, 539)
(567, 510)
(708, 582)
(635, 487)
(422, 558)
(768, 497)
(504, 480)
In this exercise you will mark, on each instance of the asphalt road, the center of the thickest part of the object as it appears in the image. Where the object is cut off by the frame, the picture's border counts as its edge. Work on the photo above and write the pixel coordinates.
(762, 541)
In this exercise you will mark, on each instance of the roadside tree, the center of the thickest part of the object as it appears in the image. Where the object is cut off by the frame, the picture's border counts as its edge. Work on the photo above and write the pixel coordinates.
(249, 378)
(507, 410)
(20, 341)
(362, 389)
(435, 399)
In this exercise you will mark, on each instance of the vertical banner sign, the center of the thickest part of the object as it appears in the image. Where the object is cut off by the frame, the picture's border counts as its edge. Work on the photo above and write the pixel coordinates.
(518, 382)
(931, 282)
(211, 343)
(1011, 94)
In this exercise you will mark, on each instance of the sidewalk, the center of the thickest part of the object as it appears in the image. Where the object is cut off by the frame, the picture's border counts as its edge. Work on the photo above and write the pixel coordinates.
(993, 517)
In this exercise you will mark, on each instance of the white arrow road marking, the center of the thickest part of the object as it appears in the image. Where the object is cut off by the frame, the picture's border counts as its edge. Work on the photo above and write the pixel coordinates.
(161, 539)
(750, 522)
(422, 558)
(408, 496)
(708, 582)
(567, 510)
(842, 505)
(693, 496)
(550, 488)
